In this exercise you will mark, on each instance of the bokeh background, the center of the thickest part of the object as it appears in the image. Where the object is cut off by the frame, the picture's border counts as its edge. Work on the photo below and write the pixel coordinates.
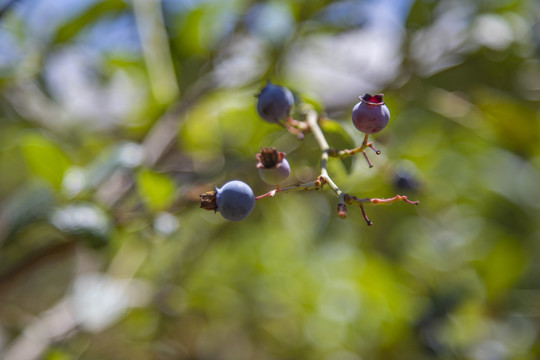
(115, 115)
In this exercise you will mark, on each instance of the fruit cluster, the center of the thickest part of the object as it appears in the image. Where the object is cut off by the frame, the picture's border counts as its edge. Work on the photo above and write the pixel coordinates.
(235, 200)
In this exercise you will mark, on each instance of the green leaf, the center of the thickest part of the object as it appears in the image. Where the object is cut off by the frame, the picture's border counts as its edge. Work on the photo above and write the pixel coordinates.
(84, 220)
(44, 158)
(57, 354)
(156, 190)
(503, 266)
(189, 34)
(30, 203)
(338, 138)
(73, 27)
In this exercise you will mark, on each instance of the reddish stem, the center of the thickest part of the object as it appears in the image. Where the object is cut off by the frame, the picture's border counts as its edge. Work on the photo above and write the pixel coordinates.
(367, 159)
(376, 201)
(377, 151)
(271, 193)
(369, 222)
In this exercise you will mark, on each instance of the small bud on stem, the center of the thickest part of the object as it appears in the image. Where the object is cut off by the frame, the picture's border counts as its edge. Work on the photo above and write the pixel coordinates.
(342, 210)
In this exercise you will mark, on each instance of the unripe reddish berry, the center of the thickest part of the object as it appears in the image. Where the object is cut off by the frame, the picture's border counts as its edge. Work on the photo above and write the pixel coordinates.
(273, 166)
(371, 114)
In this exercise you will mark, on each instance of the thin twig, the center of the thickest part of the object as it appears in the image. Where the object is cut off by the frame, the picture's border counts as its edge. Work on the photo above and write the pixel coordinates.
(350, 152)
(312, 185)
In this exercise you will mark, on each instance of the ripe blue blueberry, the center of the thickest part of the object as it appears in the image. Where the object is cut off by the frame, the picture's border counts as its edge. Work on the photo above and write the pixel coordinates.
(274, 103)
(371, 114)
(234, 200)
(273, 166)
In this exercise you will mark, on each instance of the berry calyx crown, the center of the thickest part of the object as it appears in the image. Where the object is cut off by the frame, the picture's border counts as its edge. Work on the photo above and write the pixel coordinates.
(269, 158)
(209, 200)
(372, 99)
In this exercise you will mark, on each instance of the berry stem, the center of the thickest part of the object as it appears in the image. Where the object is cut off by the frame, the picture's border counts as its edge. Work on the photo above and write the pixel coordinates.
(350, 152)
(295, 127)
(367, 159)
(312, 185)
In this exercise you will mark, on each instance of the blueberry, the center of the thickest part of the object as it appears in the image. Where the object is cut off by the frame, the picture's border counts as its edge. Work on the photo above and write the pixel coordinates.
(407, 177)
(371, 114)
(405, 181)
(234, 200)
(274, 103)
(273, 166)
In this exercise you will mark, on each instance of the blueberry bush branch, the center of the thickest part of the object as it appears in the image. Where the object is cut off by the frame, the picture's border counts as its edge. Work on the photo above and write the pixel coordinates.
(324, 178)
(235, 200)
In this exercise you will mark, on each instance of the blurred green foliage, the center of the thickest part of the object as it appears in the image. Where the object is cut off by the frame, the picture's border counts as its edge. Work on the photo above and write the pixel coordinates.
(116, 115)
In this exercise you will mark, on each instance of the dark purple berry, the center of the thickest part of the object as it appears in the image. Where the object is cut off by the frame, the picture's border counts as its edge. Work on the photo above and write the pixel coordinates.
(234, 200)
(274, 103)
(407, 177)
(371, 114)
(406, 182)
(273, 166)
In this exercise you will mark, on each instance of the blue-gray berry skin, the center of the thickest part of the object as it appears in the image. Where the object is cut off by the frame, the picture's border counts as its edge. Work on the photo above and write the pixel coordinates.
(275, 103)
(277, 174)
(371, 114)
(235, 200)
